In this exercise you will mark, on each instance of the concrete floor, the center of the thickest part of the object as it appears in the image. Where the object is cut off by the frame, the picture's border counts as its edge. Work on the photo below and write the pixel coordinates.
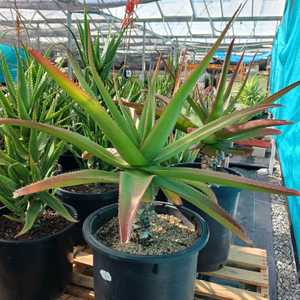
(254, 214)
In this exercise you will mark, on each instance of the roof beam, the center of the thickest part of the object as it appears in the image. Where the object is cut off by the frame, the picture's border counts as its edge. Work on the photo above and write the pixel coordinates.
(67, 5)
(151, 20)
(62, 33)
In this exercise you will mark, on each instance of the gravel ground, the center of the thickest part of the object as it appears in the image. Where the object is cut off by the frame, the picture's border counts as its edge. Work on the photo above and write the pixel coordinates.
(288, 286)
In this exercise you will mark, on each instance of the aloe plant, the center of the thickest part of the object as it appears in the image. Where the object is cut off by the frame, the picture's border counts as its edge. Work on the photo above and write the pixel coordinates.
(142, 148)
(103, 58)
(29, 155)
(211, 107)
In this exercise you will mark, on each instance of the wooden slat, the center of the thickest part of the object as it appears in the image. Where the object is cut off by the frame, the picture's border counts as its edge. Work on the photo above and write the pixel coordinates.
(80, 292)
(246, 257)
(241, 275)
(84, 259)
(265, 290)
(224, 292)
(82, 280)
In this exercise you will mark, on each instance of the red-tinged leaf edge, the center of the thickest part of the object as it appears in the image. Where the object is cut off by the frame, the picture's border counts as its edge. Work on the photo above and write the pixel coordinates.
(256, 124)
(254, 143)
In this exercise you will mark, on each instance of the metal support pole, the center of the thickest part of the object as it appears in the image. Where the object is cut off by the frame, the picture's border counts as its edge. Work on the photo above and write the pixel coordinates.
(143, 54)
(38, 38)
(69, 43)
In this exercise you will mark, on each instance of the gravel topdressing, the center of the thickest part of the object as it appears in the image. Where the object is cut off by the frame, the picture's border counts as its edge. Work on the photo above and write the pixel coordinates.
(288, 286)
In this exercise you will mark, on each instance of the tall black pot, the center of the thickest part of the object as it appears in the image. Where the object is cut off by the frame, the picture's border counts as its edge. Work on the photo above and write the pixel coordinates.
(215, 254)
(85, 204)
(122, 276)
(36, 269)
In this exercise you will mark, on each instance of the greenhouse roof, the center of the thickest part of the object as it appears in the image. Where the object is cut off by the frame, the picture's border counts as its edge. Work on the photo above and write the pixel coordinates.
(159, 25)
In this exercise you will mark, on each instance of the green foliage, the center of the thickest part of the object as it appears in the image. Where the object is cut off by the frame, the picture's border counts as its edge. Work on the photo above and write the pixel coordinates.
(142, 146)
(29, 155)
(252, 93)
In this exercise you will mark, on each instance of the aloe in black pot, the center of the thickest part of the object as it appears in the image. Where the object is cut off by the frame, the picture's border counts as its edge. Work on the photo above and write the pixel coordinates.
(35, 231)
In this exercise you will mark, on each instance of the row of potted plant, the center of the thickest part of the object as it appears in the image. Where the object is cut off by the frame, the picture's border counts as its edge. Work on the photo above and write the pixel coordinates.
(143, 248)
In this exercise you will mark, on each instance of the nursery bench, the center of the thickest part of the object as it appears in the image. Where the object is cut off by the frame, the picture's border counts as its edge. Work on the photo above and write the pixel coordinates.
(245, 276)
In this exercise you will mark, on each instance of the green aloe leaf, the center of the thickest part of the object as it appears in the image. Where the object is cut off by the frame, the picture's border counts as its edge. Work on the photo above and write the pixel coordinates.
(223, 179)
(202, 202)
(57, 205)
(157, 138)
(282, 92)
(172, 197)
(82, 142)
(31, 214)
(133, 186)
(183, 123)
(79, 74)
(205, 131)
(119, 139)
(68, 179)
(251, 125)
(112, 107)
(218, 105)
(148, 116)
(227, 94)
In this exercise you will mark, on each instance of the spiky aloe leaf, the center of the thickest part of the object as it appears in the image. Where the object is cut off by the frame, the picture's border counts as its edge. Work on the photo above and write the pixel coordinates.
(114, 133)
(202, 202)
(183, 123)
(251, 125)
(57, 205)
(218, 104)
(172, 197)
(282, 92)
(80, 141)
(31, 214)
(220, 178)
(117, 116)
(157, 138)
(148, 115)
(207, 130)
(133, 185)
(256, 133)
(232, 80)
(68, 179)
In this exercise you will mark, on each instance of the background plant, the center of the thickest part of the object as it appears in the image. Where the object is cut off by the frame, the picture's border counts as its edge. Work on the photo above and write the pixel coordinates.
(208, 107)
(252, 94)
(29, 155)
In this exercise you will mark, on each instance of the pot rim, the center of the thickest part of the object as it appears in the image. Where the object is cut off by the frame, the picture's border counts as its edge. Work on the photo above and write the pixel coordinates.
(46, 238)
(62, 190)
(95, 244)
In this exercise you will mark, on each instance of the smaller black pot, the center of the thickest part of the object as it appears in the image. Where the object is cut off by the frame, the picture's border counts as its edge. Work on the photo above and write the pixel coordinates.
(85, 204)
(122, 276)
(37, 269)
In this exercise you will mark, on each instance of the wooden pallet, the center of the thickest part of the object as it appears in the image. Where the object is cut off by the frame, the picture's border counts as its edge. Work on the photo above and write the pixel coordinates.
(245, 277)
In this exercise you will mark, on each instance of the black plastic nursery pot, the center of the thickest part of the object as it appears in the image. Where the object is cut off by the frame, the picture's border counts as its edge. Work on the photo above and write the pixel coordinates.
(36, 269)
(215, 254)
(122, 276)
(85, 204)
(68, 162)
